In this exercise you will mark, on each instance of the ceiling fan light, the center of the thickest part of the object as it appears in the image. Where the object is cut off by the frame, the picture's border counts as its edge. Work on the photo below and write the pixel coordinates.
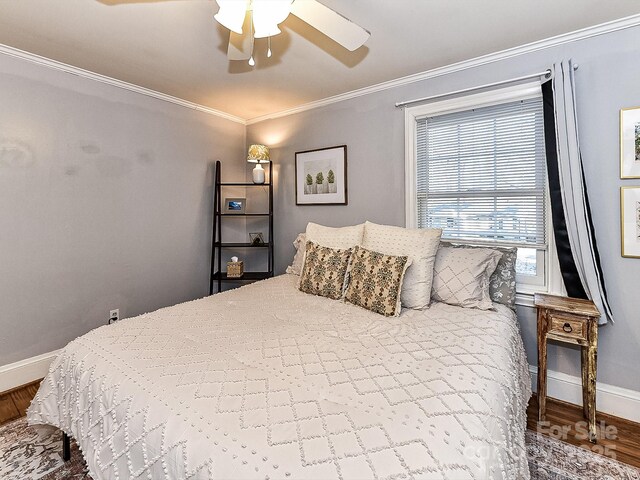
(263, 31)
(231, 14)
(267, 14)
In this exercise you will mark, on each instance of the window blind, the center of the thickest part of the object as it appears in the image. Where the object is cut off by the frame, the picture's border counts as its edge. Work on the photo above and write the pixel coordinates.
(481, 174)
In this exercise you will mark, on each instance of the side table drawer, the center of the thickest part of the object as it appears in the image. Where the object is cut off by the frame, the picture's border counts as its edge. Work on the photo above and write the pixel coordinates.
(567, 326)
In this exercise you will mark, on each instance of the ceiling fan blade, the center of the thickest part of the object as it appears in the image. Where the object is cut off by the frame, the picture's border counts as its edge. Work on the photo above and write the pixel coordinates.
(239, 46)
(348, 34)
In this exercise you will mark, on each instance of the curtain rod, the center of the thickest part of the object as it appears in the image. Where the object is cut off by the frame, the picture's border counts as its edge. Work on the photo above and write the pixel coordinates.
(546, 73)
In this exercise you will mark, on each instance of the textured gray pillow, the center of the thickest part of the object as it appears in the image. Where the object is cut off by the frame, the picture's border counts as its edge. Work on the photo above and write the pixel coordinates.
(502, 284)
(461, 276)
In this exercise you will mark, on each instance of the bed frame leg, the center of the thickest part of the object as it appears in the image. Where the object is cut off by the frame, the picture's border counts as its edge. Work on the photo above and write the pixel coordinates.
(66, 447)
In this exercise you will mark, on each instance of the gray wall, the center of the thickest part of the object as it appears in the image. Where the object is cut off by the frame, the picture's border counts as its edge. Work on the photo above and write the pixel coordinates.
(374, 133)
(105, 202)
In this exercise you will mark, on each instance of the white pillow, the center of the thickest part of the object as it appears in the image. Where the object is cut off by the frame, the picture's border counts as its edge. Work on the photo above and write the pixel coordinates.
(461, 276)
(340, 238)
(296, 266)
(420, 245)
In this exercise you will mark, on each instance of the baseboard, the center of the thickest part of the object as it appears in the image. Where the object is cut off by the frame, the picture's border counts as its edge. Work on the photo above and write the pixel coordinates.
(617, 401)
(25, 371)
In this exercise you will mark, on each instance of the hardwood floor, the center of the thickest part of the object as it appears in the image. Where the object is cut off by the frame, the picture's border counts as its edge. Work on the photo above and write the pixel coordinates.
(617, 438)
(14, 402)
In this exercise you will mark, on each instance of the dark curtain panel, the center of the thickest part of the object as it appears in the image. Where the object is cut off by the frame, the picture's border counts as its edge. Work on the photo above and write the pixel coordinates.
(570, 275)
(570, 211)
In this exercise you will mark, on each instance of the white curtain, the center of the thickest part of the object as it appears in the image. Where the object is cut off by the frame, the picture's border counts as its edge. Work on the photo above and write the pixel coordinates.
(575, 202)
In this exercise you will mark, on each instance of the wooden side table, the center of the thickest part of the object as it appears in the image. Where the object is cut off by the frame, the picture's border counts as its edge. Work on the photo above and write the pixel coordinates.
(575, 321)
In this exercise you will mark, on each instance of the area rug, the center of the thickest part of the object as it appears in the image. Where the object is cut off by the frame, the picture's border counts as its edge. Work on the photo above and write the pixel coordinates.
(555, 460)
(35, 453)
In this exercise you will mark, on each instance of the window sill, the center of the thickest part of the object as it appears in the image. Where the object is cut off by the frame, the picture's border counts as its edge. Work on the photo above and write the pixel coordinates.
(524, 299)
(524, 295)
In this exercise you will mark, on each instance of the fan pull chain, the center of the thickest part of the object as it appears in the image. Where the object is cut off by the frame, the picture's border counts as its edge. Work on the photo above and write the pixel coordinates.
(269, 49)
(252, 62)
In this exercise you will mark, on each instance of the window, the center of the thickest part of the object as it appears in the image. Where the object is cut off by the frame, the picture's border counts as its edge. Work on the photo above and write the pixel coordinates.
(476, 169)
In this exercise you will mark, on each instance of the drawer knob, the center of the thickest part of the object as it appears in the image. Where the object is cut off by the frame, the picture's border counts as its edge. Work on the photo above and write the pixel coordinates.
(567, 327)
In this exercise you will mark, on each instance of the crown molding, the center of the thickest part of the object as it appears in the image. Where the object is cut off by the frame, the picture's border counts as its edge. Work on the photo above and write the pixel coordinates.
(80, 72)
(588, 32)
(584, 33)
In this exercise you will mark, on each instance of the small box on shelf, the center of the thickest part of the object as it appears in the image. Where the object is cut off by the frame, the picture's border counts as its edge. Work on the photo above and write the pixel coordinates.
(235, 269)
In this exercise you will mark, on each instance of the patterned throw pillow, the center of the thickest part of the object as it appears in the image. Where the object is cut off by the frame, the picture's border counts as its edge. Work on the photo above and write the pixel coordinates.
(324, 271)
(502, 283)
(376, 281)
(461, 276)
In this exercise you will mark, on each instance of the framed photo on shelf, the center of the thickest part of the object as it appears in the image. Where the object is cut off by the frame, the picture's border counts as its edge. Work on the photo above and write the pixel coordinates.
(630, 143)
(630, 221)
(234, 205)
(321, 176)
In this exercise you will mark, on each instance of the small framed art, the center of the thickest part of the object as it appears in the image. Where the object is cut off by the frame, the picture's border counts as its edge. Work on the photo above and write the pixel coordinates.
(321, 176)
(630, 143)
(630, 221)
(256, 238)
(234, 205)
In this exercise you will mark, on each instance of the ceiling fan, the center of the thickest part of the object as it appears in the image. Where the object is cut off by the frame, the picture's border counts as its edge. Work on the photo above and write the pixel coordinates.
(251, 19)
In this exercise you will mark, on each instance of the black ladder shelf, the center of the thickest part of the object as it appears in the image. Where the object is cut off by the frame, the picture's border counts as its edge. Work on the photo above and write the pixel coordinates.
(217, 275)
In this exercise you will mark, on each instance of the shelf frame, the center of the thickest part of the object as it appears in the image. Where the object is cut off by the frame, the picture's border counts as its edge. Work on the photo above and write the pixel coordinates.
(244, 184)
(245, 214)
(217, 276)
(242, 245)
(246, 276)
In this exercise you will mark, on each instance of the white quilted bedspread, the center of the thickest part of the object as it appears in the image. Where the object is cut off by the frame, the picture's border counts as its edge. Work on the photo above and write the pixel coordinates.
(265, 382)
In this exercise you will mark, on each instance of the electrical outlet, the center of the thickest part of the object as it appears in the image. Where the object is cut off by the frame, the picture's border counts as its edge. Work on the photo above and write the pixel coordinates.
(114, 315)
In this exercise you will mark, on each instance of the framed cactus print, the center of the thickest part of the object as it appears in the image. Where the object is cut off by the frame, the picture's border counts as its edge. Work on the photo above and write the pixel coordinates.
(321, 176)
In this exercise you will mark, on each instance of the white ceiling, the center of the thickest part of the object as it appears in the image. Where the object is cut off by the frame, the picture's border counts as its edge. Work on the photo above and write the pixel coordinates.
(176, 47)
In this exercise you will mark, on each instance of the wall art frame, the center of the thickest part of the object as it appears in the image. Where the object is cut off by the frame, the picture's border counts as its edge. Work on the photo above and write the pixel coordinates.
(630, 143)
(630, 222)
(321, 176)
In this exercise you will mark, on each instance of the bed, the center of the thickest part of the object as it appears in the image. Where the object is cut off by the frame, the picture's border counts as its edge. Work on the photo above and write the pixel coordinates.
(267, 382)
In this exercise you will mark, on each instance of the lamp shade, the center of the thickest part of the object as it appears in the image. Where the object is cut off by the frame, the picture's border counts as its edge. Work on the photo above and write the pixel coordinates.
(258, 153)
